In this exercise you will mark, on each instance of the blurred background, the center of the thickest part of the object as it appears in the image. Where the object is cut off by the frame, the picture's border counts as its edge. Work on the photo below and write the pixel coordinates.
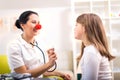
(57, 18)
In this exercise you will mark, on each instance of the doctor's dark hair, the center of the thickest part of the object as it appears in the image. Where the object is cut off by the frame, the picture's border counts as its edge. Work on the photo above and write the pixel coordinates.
(24, 17)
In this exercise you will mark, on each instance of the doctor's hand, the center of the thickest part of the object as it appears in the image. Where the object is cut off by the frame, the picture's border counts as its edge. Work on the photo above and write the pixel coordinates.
(52, 56)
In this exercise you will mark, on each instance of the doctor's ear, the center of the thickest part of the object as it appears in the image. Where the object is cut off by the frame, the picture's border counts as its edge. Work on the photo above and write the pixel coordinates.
(22, 26)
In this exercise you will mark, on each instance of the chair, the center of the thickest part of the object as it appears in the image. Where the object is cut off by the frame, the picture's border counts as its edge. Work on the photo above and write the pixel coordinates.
(4, 67)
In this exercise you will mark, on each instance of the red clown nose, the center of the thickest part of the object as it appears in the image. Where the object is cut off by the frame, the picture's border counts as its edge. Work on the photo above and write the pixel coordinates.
(38, 26)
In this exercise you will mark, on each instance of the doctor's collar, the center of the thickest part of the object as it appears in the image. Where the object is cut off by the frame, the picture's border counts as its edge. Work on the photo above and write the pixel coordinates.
(27, 40)
(25, 43)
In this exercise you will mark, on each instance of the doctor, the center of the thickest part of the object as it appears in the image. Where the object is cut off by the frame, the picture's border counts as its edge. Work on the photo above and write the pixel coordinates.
(24, 57)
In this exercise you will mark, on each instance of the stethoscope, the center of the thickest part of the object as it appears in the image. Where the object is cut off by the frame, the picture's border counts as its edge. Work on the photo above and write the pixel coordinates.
(36, 44)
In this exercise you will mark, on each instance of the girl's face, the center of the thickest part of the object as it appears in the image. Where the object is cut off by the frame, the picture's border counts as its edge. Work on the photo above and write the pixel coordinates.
(79, 31)
(29, 27)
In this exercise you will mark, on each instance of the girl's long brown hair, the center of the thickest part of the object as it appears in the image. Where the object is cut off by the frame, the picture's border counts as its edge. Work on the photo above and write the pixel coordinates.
(95, 34)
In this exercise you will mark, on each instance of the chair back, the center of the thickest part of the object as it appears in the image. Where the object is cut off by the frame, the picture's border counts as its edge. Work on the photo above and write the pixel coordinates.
(4, 67)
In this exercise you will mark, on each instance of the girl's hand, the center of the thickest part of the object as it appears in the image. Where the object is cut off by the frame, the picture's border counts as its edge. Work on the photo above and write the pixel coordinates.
(66, 77)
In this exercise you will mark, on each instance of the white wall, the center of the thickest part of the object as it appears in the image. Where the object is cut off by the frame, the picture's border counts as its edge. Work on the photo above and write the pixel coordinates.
(25, 4)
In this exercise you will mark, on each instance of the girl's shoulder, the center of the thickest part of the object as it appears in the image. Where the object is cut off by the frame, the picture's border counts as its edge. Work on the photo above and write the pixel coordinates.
(91, 50)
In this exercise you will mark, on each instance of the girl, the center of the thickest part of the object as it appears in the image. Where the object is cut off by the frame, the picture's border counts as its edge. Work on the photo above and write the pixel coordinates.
(95, 57)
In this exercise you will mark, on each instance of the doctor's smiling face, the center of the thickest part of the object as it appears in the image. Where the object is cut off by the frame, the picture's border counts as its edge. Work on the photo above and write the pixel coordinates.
(29, 27)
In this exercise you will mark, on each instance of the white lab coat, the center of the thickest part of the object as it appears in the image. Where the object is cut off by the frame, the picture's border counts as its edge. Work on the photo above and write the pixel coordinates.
(22, 53)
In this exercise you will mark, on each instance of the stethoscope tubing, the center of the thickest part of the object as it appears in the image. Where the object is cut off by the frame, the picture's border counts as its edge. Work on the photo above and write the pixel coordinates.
(44, 56)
